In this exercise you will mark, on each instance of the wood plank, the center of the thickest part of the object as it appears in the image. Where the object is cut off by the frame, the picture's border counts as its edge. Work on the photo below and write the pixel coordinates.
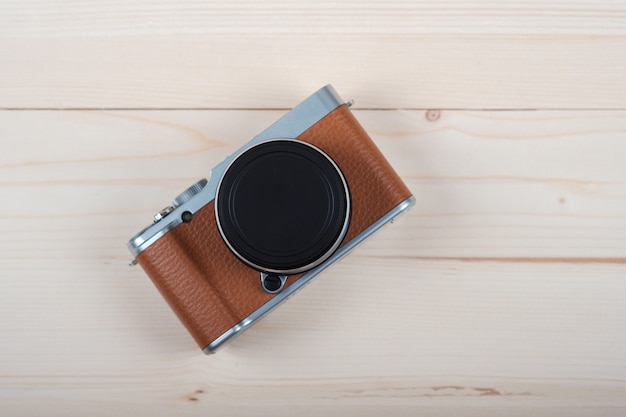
(74, 18)
(396, 54)
(534, 186)
(397, 333)
(278, 71)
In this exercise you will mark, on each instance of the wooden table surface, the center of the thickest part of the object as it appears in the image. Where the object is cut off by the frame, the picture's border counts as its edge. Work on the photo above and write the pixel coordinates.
(502, 292)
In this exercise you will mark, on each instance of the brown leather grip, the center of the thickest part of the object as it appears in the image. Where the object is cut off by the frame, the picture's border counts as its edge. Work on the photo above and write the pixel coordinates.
(211, 290)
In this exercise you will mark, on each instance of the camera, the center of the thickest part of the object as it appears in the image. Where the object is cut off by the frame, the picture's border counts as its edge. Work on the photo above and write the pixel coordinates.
(269, 218)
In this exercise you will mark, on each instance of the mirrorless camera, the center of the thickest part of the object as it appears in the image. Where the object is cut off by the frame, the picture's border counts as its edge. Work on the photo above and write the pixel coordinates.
(270, 217)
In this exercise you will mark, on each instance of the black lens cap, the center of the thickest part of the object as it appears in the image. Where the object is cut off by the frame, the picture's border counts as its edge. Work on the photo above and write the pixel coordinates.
(283, 206)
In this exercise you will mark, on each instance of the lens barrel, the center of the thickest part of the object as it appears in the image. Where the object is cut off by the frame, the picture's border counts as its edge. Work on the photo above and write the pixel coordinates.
(283, 206)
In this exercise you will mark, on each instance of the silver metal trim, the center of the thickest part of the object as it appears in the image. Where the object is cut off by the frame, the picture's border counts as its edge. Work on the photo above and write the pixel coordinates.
(303, 280)
(342, 233)
(290, 125)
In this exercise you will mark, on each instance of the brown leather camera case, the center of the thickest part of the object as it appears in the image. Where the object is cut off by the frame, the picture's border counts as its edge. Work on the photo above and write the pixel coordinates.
(209, 288)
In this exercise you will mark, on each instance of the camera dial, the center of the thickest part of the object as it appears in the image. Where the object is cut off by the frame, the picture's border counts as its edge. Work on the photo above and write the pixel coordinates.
(188, 193)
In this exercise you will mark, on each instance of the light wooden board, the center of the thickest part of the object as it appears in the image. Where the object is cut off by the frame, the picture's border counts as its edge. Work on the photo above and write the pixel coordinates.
(379, 71)
(540, 184)
(396, 54)
(500, 293)
(67, 18)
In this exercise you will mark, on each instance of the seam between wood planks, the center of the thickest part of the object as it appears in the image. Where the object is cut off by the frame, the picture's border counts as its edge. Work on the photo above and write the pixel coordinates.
(287, 109)
(509, 259)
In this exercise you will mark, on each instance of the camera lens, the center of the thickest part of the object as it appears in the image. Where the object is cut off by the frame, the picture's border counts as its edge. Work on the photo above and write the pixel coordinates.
(283, 206)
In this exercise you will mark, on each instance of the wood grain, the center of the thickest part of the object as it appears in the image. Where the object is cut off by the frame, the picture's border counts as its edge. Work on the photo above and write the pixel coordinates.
(500, 292)
(494, 184)
(458, 336)
(67, 18)
(398, 54)
(379, 71)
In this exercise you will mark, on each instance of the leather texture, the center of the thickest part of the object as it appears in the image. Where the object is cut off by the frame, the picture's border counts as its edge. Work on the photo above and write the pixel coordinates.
(209, 289)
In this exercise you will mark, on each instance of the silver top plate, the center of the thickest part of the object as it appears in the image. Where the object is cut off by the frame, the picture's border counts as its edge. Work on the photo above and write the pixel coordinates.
(290, 126)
